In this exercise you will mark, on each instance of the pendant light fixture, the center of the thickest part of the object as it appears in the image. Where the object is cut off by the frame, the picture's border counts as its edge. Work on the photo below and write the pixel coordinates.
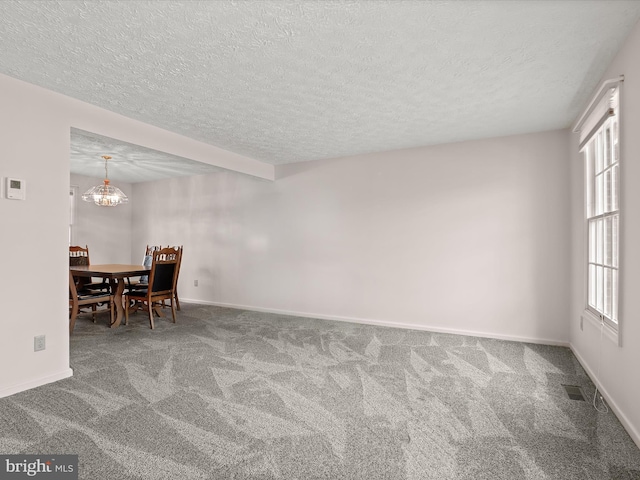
(105, 195)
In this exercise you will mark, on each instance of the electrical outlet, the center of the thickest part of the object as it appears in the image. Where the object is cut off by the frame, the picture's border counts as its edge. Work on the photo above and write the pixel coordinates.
(39, 343)
(195, 283)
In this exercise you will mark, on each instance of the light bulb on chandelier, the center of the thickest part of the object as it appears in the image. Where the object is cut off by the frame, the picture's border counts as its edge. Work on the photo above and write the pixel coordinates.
(105, 195)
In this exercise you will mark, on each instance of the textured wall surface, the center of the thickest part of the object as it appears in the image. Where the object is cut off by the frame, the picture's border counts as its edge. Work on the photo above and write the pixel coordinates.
(284, 81)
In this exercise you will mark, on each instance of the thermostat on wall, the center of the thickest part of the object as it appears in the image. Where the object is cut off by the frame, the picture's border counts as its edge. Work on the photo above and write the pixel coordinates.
(15, 188)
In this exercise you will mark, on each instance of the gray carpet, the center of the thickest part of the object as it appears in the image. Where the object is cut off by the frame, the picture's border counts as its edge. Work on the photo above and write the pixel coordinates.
(230, 394)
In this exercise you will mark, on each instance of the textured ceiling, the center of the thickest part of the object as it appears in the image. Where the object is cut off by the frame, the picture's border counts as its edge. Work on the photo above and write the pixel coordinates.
(129, 163)
(288, 81)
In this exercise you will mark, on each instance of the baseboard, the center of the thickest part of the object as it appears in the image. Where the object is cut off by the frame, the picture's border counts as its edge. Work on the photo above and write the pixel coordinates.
(20, 387)
(384, 323)
(628, 426)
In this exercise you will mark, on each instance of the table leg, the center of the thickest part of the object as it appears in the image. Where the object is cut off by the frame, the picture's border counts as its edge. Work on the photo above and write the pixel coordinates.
(117, 299)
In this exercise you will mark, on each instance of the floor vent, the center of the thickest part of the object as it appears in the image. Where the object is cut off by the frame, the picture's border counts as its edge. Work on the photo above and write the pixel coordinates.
(574, 392)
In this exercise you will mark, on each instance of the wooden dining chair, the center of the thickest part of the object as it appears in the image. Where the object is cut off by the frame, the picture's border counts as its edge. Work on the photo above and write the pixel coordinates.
(87, 298)
(152, 248)
(79, 256)
(162, 283)
(175, 292)
(148, 254)
(143, 281)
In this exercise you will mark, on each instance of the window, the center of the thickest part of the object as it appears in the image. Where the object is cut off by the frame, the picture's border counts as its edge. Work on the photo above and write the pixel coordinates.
(601, 151)
(73, 194)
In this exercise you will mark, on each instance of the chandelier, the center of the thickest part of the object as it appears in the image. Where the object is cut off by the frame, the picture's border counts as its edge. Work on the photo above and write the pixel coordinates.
(105, 195)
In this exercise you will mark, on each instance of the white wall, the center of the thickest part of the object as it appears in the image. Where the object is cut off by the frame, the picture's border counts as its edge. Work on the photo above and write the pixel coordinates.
(469, 237)
(106, 231)
(34, 145)
(615, 368)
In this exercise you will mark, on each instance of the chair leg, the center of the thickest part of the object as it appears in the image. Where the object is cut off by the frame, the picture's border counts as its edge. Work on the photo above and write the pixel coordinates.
(175, 293)
(111, 312)
(126, 311)
(93, 312)
(150, 305)
(173, 310)
(72, 320)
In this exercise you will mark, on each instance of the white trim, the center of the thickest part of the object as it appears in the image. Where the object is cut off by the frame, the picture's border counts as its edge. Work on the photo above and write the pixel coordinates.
(383, 323)
(604, 86)
(20, 387)
(608, 332)
(73, 212)
(628, 426)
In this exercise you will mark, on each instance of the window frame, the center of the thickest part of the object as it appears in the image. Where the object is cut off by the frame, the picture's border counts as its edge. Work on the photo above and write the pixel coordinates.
(73, 210)
(602, 112)
(603, 252)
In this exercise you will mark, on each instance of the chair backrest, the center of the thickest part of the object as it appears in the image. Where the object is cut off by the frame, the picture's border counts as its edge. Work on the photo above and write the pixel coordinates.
(152, 248)
(78, 255)
(146, 261)
(179, 248)
(164, 270)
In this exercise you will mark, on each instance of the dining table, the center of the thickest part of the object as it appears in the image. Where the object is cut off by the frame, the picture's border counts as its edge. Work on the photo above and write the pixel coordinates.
(114, 272)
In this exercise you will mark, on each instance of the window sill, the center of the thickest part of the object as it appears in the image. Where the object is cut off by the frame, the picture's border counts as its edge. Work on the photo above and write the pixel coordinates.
(607, 331)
